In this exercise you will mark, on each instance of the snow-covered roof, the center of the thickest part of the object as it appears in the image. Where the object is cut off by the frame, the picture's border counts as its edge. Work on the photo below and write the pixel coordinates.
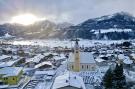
(4, 86)
(125, 59)
(68, 79)
(85, 57)
(110, 51)
(99, 60)
(36, 59)
(48, 53)
(4, 57)
(8, 64)
(50, 72)
(10, 71)
(43, 63)
(103, 69)
(108, 55)
(121, 56)
(133, 55)
(102, 56)
(59, 57)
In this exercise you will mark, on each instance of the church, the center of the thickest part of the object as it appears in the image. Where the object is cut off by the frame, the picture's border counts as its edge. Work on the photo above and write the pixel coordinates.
(81, 61)
(82, 74)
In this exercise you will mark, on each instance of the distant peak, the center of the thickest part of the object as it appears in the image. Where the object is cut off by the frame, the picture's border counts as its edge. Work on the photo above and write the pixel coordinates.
(123, 14)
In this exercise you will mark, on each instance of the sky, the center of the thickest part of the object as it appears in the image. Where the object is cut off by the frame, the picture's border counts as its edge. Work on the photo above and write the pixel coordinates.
(73, 11)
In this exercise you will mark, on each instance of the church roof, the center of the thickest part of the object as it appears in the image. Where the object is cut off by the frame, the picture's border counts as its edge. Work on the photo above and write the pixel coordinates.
(85, 57)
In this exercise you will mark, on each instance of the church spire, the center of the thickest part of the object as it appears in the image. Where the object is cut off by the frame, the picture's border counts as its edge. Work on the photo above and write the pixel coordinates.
(76, 56)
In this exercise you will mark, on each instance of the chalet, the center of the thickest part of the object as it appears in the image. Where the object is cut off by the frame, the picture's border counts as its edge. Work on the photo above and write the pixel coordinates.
(10, 75)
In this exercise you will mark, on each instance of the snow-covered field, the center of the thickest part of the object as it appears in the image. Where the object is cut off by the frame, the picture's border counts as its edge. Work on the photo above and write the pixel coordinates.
(64, 43)
(113, 30)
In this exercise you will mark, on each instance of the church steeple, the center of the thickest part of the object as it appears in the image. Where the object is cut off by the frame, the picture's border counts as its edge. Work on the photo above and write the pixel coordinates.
(76, 56)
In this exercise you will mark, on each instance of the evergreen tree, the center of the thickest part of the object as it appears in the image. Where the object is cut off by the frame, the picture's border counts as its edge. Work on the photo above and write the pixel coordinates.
(107, 79)
(119, 81)
(115, 79)
(126, 44)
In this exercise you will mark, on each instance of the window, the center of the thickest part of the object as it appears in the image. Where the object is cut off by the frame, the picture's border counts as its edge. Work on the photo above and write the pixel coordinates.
(87, 66)
(82, 66)
(93, 67)
(5, 78)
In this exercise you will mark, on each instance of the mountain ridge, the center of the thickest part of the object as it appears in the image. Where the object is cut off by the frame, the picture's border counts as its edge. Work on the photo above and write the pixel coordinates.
(117, 26)
(121, 20)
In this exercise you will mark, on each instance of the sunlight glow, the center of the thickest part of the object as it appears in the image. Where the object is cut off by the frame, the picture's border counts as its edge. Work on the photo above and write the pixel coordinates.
(25, 19)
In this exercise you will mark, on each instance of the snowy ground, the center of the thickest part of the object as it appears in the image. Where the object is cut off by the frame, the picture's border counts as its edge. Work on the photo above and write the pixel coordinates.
(64, 43)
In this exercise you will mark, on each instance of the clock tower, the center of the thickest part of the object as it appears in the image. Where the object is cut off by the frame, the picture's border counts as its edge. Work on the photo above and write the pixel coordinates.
(76, 56)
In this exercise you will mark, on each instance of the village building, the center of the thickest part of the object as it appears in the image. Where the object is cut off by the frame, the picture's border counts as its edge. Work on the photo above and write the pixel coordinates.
(84, 65)
(10, 75)
(87, 62)
(4, 58)
(81, 61)
(68, 81)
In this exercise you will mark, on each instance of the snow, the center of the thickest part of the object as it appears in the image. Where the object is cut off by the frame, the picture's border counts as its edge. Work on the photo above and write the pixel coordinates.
(4, 57)
(121, 56)
(99, 60)
(50, 72)
(103, 69)
(6, 36)
(48, 53)
(130, 75)
(43, 63)
(68, 79)
(64, 43)
(125, 59)
(32, 33)
(104, 17)
(113, 30)
(85, 57)
(4, 86)
(61, 57)
(10, 71)
(36, 58)
(133, 55)
(41, 86)
(7, 64)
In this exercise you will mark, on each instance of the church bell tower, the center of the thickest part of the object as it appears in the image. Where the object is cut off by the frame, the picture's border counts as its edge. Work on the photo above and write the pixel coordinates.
(76, 56)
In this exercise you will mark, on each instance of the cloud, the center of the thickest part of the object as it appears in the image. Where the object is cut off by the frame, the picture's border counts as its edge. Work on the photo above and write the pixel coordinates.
(74, 11)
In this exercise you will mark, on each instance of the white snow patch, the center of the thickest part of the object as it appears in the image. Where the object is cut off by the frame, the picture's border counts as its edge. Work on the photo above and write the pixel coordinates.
(112, 30)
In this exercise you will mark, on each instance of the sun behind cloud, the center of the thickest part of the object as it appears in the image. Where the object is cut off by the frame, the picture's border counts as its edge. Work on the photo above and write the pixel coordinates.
(25, 19)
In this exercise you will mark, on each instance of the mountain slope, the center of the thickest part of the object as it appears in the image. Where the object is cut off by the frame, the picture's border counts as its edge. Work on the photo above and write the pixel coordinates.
(117, 26)
(38, 30)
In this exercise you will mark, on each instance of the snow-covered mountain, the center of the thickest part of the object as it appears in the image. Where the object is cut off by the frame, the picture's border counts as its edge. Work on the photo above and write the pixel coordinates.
(117, 26)
(41, 29)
